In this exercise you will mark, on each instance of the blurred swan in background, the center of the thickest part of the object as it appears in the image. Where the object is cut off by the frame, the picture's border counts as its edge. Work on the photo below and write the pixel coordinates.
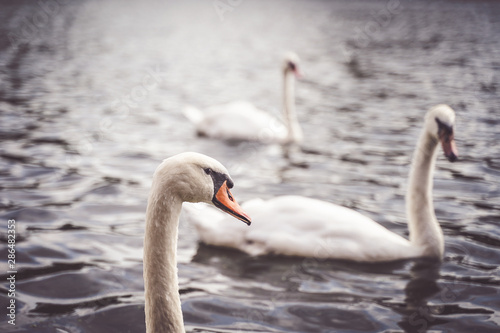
(241, 120)
(300, 226)
(189, 177)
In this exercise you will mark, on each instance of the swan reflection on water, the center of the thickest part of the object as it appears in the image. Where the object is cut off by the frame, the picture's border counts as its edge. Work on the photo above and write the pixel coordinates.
(285, 283)
(331, 293)
(418, 316)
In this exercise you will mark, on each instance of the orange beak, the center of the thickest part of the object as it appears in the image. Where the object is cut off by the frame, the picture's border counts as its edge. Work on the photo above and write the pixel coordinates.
(449, 147)
(224, 200)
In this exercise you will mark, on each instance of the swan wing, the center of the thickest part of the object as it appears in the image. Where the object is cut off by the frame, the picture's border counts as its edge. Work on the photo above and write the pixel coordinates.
(300, 226)
(193, 114)
(240, 121)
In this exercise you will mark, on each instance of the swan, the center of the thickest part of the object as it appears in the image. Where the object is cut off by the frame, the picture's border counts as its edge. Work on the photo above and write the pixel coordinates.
(187, 177)
(242, 121)
(300, 226)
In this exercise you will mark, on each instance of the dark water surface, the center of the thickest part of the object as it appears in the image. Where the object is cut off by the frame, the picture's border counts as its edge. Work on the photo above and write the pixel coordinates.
(91, 100)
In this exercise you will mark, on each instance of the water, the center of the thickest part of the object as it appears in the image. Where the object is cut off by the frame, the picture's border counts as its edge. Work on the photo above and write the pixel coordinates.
(90, 103)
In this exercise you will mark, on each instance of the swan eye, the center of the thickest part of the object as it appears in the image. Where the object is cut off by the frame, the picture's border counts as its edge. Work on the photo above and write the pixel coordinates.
(207, 170)
(291, 65)
(443, 129)
(229, 195)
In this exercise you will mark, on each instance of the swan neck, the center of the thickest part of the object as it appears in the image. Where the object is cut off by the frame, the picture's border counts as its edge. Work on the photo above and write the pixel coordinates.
(425, 232)
(294, 131)
(162, 307)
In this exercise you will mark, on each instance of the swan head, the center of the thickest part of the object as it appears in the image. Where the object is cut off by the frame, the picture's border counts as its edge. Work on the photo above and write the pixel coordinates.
(194, 177)
(440, 124)
(291, 63)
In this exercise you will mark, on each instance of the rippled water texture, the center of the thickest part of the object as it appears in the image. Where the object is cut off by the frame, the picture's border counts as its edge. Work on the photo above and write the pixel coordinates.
(91, 100)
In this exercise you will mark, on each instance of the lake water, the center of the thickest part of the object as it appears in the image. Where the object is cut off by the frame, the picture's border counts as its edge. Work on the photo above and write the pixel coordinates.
(91, 98)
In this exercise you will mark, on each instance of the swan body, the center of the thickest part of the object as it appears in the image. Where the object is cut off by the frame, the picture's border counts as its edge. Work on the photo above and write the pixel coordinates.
(187, 177)
(300, 226)
(225, 121)
(242, 121)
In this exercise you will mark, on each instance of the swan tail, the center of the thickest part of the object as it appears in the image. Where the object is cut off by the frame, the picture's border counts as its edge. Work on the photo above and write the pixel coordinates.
(193, 114)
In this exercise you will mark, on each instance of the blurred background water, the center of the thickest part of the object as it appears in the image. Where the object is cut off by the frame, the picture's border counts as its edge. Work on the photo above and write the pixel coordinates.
(91, 98)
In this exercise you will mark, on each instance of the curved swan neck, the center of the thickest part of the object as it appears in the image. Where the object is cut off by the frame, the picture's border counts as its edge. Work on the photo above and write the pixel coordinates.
(163, 307)
(294, 131)
(425, 231)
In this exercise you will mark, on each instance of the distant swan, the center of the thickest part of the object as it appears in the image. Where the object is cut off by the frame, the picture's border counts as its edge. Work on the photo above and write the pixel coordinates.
(299, 226)
(187, 177)
(241, 120)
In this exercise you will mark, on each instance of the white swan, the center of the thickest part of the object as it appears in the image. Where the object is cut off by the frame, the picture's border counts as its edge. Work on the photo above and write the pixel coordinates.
(299, 226)
(187, 177)
(243, 121)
